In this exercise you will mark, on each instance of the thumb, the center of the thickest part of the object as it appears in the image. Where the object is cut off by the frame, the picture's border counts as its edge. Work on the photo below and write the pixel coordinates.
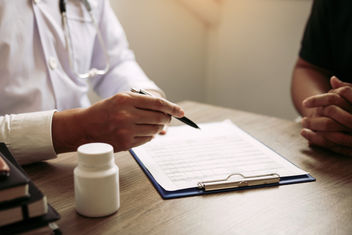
(337, 83)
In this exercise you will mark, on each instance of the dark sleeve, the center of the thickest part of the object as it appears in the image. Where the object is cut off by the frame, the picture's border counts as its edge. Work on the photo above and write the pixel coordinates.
(315, 45)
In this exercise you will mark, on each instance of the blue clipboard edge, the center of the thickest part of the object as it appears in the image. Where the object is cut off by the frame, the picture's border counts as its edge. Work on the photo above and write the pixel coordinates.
(196, 191)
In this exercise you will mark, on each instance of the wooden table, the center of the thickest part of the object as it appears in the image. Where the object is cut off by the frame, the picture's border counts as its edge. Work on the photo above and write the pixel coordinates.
(321, 207)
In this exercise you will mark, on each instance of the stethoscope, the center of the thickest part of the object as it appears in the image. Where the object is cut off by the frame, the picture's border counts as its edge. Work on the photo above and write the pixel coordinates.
(93, 71)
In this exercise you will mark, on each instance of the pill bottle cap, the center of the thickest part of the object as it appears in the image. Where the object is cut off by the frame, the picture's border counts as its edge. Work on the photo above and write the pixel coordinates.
(95, 155)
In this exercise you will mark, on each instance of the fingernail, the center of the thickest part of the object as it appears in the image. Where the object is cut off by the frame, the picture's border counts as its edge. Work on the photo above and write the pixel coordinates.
(305, 103)
(304, 133)
(334, 77)
(181, 112)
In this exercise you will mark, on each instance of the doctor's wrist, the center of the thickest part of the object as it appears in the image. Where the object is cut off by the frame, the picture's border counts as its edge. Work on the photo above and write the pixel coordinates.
(67, 133)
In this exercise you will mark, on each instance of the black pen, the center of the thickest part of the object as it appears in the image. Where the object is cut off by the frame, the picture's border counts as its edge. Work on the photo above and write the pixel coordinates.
(183, 119)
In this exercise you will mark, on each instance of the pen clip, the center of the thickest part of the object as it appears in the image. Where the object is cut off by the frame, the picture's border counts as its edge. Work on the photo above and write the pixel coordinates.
(134, 90)
(140, 91)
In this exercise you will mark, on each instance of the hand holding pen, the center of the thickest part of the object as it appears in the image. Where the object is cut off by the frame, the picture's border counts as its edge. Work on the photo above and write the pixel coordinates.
(125, 120)
(183, 119)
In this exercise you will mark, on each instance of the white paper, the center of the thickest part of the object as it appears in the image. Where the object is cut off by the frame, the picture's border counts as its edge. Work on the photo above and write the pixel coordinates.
(186, 156)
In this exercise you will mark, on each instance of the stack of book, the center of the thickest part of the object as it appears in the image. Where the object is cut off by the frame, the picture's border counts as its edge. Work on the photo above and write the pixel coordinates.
(23, 206)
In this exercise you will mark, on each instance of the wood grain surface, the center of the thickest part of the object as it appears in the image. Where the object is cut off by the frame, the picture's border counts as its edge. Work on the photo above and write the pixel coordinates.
(321, 207)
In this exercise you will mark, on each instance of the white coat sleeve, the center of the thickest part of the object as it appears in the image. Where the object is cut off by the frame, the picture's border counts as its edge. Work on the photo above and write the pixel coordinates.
(124, 72)
(28, 136)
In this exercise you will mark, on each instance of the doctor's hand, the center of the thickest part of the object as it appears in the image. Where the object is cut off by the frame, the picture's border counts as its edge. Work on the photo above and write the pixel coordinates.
(125, 120)
(331, 125)
(159, 94)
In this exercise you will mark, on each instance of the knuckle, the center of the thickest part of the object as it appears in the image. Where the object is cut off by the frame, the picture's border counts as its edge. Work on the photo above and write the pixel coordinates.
(306, 122)
(333, 98)
(345, 90)
(122, 117)
(121, 98)
(330, 110)
(160, 103)
(174, 109)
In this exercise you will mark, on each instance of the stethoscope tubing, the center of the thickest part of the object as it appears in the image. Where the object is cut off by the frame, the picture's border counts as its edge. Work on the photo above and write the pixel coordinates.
(93, 71)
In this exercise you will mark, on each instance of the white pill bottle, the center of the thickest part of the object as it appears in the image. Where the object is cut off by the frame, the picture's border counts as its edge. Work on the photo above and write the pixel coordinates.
(96, 181)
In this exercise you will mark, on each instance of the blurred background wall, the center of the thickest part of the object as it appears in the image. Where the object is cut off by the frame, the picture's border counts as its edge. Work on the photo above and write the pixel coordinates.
(169, 43)
(233, 53)
(252, 53)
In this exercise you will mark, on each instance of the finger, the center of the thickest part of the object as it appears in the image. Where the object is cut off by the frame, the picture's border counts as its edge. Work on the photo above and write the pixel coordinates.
(157, 104)
(337, 83)
(147, 130)
(322, 124)
(164, 130)
(342, 150)
(345, 92)
(316, 140)
(151, 117)
(326, 99)
(339, 138)
(338, 114)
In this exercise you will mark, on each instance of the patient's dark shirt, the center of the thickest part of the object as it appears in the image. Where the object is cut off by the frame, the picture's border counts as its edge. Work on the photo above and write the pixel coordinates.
(327, 40)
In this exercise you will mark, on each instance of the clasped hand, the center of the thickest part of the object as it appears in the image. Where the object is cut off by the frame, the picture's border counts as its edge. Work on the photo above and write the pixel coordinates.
(330, 124)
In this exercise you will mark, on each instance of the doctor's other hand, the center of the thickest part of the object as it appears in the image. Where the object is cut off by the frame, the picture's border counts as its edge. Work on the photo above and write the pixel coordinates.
(125, 120)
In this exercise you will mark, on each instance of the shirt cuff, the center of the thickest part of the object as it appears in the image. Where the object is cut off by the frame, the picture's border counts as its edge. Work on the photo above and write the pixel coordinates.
(28, 136)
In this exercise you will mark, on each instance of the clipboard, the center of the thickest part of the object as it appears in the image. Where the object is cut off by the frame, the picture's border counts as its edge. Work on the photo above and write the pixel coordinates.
(218, 186)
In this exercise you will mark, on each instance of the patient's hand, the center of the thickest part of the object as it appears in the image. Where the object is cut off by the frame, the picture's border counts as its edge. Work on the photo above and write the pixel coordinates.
(330, 126)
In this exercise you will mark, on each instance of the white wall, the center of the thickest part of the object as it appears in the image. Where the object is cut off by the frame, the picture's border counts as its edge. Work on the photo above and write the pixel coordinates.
(169, 43)
(245, 62)
(252, 53)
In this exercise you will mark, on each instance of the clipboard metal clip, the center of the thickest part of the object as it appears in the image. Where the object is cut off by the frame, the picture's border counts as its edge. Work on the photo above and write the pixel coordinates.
(239, 181)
